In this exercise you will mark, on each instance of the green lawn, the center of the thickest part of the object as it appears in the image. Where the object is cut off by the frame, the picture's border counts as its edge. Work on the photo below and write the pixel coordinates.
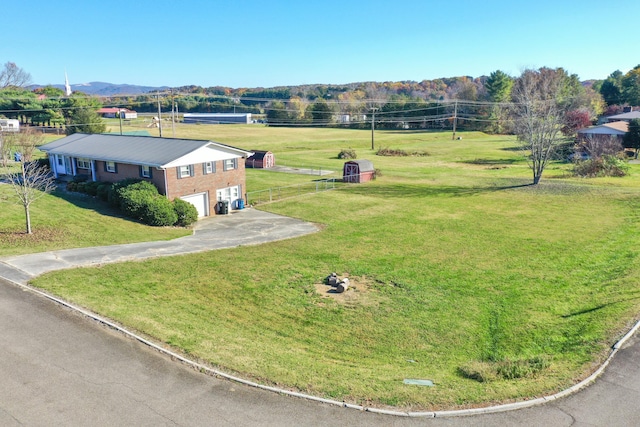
(64, 220)
(459, 268)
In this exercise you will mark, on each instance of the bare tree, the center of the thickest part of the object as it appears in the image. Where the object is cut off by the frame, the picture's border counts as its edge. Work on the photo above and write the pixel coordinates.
(12, 75)
(5, 150)
(597, 146)
(538, 116)
(31, 180)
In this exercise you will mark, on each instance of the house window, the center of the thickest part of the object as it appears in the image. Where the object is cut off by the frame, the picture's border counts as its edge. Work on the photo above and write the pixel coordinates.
(145, 171)
(185, 171)
(110, 167)
(84, 164)
(230, 164)
(208, 167)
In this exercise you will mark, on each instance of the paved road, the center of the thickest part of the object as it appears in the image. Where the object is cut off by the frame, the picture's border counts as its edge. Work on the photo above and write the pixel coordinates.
(59, 368)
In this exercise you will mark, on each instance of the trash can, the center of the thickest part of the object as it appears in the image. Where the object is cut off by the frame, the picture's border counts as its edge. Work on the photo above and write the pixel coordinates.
(240, 203)
(223, 207)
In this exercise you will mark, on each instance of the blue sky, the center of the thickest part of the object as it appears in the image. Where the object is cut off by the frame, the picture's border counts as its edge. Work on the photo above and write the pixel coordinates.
(252, 43)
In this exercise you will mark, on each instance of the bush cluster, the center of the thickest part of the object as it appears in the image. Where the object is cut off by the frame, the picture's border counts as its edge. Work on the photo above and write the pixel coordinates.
(347, 154)
(392, 152)
(139, 200)
(601, 166)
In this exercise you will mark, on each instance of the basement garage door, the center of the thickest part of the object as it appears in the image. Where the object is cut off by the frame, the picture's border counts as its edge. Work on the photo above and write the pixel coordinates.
(199, 201)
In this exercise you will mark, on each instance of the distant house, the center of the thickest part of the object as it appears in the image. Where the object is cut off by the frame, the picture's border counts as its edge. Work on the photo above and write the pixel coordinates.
(114, 112)
(199, 172)
(358, 171)
(617, 129)
(626, 116)
(9, 125)
(261, 160)
(217, 118)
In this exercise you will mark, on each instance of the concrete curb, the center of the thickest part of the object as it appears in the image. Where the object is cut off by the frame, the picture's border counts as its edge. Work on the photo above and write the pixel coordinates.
(428, 414)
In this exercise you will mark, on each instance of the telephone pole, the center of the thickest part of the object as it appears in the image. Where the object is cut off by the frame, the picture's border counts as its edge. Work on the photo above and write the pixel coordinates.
(455, 118)
(373, 120)
(159, 116)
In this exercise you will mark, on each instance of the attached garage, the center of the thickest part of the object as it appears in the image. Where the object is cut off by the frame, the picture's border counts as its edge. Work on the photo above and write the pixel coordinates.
(200, 201)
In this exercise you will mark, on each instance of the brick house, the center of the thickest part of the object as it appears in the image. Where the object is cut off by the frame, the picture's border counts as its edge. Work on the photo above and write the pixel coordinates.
(199, 172)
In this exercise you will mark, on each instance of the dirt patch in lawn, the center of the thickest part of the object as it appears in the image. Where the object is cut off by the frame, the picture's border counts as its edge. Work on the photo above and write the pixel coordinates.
(359, 291)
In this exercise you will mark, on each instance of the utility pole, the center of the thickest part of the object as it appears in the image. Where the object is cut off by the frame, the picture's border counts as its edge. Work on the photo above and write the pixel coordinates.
(173, 115)
(159, 115)
(455, 118)
(373, 120)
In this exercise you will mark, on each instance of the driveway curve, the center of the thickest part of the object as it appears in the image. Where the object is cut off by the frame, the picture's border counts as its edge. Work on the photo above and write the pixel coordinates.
(57, 367)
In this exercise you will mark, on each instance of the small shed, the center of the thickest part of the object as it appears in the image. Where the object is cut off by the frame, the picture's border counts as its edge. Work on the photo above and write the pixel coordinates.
(358, 171)
(261, 160)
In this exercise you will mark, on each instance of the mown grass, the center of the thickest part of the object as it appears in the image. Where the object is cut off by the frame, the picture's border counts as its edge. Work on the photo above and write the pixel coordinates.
(458, 264)
(64, 220)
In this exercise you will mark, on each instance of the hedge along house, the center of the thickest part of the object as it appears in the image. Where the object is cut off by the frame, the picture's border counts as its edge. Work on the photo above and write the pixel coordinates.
(261, 160)
(358, 171)
(199, 172)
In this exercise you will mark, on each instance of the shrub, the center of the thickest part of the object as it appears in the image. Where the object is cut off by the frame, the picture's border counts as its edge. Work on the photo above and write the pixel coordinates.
(347, 154)
(391, 152)
(157, 211)
(133, 202)
(102, 192)
(72, 186)
(601, 166)
(91, 187)
(114, 193)
(186, 212)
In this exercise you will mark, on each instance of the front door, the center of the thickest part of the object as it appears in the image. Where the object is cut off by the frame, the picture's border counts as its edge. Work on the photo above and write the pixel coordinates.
(351, 173)
(229, 194)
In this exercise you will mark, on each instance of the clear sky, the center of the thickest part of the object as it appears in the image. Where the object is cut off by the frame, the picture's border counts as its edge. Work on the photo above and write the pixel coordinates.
(251, 43)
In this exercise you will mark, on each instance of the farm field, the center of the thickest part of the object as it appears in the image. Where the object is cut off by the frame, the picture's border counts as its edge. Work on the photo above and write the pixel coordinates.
(461, 272)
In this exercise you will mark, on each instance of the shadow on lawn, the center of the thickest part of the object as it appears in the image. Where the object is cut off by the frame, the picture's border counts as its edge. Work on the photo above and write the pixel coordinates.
(422, 190)
(85, 201)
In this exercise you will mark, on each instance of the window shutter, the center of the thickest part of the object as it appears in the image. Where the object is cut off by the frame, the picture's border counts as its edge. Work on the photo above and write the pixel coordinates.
(140, 174)
(235, 163)
(178, 172)
(115, 167)
(105, 167)
(150, 172)
(191, 172)
(204, 168)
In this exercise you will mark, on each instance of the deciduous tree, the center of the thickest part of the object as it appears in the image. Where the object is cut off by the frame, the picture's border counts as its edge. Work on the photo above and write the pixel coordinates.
(32, 180)
(538, 116)
(631, 139)
(12, 75)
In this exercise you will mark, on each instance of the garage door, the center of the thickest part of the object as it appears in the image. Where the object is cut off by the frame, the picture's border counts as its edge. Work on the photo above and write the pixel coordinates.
(199, 201)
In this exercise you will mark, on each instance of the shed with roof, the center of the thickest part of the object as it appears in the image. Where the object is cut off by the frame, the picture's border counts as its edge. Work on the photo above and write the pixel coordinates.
(261, 160)
(358, 171)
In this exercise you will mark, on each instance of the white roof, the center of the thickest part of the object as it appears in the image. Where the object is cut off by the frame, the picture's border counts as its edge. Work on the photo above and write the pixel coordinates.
(142, 150)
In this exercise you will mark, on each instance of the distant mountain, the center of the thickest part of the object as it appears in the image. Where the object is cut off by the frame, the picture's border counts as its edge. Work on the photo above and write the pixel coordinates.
(107, 89)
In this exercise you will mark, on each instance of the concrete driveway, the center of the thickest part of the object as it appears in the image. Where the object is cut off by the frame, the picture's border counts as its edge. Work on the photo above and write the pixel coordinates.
(58, 367)
(245, 227)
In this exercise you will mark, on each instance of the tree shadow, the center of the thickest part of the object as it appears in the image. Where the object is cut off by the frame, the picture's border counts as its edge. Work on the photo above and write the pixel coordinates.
(491, 162)
(596, 308)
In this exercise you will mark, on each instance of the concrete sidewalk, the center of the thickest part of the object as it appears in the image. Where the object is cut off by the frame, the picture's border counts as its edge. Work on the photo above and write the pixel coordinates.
(245, 227)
